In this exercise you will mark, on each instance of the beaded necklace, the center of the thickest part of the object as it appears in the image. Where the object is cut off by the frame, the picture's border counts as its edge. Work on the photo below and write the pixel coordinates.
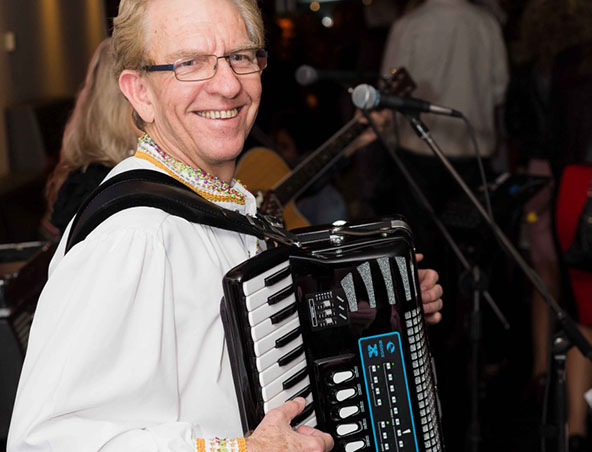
(200, 181)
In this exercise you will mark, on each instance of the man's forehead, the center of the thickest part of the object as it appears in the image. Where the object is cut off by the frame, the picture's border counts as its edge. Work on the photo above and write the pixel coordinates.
(180, 27)
(171, 14)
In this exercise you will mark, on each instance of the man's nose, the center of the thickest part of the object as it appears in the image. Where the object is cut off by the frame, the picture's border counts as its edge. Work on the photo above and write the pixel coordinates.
(225, 81)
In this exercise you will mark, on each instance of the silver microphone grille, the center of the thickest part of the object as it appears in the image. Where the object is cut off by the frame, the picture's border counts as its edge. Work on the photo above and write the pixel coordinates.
(364, 96)
(306, 75)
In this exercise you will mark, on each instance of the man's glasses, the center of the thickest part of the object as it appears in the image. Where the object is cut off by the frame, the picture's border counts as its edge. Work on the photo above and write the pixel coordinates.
(203, 67)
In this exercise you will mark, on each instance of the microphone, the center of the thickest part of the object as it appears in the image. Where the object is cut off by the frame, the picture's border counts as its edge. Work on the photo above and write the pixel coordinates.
(307, 75)
(367, 97)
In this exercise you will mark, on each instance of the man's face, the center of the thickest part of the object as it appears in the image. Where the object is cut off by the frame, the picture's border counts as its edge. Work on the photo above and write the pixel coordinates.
(184, 119)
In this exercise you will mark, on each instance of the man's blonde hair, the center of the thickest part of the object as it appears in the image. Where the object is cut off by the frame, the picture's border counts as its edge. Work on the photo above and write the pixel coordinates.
(130, 35)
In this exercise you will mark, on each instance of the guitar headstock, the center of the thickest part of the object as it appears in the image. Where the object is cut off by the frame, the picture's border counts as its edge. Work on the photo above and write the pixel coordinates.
(399, 83)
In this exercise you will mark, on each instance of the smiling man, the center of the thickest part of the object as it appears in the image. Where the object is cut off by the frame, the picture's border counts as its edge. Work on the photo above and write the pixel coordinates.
(127, 351)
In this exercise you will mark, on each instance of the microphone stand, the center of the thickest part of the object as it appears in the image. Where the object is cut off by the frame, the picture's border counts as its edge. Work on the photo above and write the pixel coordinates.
(566, 324)
(479, 288)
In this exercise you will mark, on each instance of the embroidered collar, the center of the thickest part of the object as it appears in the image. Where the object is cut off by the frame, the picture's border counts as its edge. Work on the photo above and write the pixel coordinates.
(200, 181)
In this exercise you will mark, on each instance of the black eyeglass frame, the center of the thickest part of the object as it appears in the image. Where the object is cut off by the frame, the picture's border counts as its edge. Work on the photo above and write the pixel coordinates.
(259, 53)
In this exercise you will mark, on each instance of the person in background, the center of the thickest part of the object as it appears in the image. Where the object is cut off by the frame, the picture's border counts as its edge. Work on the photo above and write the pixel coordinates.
(98, 135)
(455, 53)
(127, 350)
(571, 156)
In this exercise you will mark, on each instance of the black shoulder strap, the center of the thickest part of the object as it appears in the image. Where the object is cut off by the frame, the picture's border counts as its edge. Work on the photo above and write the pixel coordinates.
(154, 189)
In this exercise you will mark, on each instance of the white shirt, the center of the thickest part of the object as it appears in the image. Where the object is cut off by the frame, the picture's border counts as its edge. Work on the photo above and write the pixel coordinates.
(127, 349)
(455, 53)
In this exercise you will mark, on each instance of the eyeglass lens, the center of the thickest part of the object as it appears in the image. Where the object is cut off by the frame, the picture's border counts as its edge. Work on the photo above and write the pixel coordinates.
(202, 67)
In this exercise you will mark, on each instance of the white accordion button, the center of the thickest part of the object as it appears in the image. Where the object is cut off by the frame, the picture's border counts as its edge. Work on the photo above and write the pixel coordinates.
(347, 429)
(348, 411)
(355, 445)
(344, 394)
(340, 377)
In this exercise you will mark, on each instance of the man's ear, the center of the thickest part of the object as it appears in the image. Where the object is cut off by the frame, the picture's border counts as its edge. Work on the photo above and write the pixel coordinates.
(135, 89)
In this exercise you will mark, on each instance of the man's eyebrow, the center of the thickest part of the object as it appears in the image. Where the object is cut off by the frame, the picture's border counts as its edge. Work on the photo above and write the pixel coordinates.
(184, 53)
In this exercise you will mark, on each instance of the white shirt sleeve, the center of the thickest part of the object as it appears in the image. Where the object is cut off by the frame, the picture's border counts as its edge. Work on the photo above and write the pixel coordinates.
(500, 66)
(101, 369)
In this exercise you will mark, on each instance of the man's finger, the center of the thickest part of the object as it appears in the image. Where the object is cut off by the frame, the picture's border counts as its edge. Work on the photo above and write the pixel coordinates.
(292, 408)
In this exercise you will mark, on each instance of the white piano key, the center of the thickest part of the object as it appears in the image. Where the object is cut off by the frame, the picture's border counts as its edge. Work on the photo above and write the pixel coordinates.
(265, 311)
(268, 342)
(284, 396)
(273, 355)
(311, 421)
(275, 371)
(275, 387)
(258, 282)
(259, 298)
(264, 328)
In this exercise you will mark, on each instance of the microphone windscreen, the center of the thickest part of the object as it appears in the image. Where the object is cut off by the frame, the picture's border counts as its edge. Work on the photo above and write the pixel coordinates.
(306, 75)
(364, 97)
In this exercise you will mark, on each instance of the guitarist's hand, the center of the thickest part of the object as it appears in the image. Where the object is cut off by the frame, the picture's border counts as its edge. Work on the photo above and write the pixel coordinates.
(382, 119)
(272, 206)
(431, 293)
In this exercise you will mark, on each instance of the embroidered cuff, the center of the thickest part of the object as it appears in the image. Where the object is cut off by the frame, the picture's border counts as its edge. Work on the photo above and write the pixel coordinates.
(221, 445)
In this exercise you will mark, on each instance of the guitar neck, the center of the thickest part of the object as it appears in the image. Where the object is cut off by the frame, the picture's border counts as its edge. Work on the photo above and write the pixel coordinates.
(309, 170)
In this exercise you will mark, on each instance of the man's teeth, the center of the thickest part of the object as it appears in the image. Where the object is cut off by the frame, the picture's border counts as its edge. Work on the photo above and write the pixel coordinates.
(218, 114)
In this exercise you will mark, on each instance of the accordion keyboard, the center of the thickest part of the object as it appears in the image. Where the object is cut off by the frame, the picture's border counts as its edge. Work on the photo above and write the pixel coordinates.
(277, 342)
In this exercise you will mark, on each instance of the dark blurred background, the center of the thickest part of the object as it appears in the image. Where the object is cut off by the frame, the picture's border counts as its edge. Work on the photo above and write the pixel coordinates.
(45, 47)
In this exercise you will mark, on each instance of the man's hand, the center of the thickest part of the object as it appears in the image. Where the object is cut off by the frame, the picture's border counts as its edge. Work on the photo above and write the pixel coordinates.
(274, 433)
(431, 293)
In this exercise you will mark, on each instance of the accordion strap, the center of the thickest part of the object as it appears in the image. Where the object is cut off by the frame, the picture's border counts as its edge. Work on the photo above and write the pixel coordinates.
(154, 189)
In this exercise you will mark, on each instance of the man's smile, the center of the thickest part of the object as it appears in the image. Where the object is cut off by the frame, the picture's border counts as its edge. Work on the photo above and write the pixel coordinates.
(219, 114)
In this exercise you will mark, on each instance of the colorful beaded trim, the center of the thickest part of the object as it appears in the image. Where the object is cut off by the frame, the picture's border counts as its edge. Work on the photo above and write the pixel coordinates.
(200, 181)
(221, 445)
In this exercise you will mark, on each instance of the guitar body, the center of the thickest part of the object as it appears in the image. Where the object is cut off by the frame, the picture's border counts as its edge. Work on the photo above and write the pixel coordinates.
(261, 169)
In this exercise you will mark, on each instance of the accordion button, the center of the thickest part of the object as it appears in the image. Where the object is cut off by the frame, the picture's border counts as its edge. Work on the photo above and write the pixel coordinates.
(347, 429)
(348, 411)
(344, 394)
(354, 446)
(340, 377)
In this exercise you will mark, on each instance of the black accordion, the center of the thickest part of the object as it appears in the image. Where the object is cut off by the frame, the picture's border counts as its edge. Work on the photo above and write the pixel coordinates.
(338, 321)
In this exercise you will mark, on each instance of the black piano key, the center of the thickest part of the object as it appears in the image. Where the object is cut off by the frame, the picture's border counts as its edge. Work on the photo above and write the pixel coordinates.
(283, 314)
(287, 338)
(291, 356)
(281, 295)
(295, 379)
(308, 409)
(276, 277)
(304, 393)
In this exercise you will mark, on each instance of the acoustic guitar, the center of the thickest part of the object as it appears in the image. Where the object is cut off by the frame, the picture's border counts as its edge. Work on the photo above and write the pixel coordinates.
(276, 186)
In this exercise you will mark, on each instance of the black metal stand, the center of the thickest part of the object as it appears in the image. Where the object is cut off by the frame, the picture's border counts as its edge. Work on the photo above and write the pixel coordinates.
(559, 348)
(475, 338)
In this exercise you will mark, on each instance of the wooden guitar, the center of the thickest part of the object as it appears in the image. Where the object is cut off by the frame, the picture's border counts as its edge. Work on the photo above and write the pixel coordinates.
(269, 177)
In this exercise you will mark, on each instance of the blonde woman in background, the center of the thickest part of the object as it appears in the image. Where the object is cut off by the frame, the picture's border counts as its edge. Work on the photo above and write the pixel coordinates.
(98, 135)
